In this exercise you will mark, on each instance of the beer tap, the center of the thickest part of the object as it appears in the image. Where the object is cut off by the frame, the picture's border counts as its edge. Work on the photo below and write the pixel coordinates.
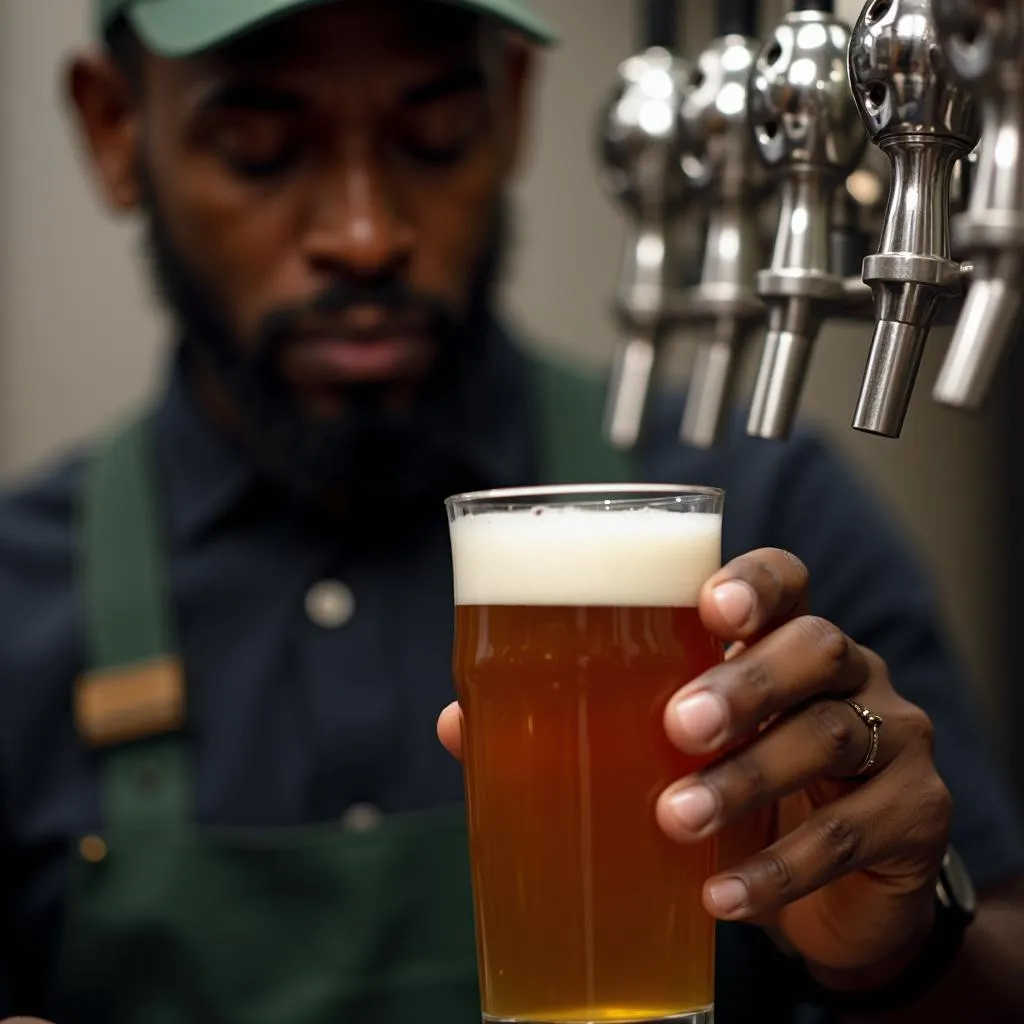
(925, 122)
(983, 41)
(807, 130)
(723, 168)
(641, 150)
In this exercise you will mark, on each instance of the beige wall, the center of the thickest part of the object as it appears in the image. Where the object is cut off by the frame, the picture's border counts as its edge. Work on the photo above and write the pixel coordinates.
(79, 338)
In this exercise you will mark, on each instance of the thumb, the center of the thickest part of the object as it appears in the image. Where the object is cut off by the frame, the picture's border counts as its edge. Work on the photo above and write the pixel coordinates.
(449, 730)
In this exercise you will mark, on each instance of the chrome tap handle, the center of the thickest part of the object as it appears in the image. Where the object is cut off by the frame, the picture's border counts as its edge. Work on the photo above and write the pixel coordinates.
(807, 131)
(925, 122)
(723, 167)
(640, 150)
(983, 41)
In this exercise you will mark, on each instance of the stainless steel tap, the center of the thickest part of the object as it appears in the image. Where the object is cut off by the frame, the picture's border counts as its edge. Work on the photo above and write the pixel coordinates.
(925, 122)
(724, 170)
(807, 130)
(983, 42)
(641, 152)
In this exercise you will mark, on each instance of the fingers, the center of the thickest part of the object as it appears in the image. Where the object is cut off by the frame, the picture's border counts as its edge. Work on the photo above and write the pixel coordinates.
(754, 593)
(827, 739)
(803, 659)
(852, 833)
(449, 730)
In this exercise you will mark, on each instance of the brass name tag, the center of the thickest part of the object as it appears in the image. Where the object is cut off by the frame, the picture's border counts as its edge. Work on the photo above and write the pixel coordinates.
(134, 702)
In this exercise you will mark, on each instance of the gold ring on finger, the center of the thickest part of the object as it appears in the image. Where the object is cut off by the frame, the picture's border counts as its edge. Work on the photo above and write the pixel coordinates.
(874, 724)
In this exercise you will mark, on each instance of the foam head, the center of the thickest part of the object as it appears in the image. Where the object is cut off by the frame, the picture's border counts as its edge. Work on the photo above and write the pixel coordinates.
(637, 557)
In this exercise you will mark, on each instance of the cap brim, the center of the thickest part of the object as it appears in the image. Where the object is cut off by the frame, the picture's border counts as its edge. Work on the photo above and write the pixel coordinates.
(180, 28)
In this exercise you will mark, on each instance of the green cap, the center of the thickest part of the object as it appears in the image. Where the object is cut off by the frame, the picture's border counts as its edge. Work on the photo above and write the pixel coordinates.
(177, 28)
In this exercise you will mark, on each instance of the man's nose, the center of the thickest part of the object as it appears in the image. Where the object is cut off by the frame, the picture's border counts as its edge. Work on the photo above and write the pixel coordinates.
(355, 226)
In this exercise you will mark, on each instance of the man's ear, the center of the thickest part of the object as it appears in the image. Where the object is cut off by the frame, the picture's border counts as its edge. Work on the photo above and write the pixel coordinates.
(520, 68)
(107, 111)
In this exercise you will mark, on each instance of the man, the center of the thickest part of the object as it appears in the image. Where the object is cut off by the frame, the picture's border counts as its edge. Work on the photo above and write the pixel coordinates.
(226, 628)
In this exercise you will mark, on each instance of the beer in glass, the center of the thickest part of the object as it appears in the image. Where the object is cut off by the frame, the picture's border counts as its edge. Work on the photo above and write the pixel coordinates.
(576, 620)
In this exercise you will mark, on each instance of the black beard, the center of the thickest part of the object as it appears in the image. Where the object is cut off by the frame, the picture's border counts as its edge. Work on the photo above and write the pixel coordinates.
(369, 456)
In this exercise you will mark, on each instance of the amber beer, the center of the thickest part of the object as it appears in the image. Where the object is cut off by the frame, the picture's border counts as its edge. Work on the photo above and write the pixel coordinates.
(575, 622)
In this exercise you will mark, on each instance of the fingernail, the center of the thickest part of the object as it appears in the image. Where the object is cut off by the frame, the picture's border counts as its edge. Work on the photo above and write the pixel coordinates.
(729, 895)
(735, 601)
(694, 807)
(702, 717)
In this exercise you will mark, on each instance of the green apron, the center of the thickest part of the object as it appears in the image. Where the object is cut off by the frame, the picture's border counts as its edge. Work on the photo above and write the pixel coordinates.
(169, 922)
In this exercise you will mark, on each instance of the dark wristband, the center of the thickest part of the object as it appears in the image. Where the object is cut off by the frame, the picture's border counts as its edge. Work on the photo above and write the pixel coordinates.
(954, 911)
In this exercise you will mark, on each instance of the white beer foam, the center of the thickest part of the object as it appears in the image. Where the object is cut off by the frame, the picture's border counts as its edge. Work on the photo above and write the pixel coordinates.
(572, 556)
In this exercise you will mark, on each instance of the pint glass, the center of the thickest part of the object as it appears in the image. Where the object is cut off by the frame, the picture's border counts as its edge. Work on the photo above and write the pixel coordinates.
(576, 620)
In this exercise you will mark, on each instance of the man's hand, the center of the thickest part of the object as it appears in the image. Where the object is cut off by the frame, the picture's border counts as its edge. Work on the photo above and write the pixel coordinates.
(847, 875)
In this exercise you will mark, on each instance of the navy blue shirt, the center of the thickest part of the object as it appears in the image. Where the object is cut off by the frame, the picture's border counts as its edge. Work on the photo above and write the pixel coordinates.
(305, 706)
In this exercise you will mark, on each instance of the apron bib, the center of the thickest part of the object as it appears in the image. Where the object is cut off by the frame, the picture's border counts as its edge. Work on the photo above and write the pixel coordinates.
(169, 922)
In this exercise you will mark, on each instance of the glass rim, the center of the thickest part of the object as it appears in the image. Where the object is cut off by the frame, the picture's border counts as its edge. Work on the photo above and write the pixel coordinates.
(598, 491)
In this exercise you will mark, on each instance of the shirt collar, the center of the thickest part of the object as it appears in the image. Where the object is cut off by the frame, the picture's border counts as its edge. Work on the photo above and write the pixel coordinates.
(205, 475)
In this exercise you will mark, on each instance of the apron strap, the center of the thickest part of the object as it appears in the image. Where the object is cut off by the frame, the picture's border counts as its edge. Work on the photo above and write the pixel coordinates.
(129, 704)
(124, 571)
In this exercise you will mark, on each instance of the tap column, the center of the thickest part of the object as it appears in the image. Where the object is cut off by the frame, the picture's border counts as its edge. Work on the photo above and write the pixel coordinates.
(808, 132)
(983, 41)
(924, 121)
(725, 171)
(641, 152)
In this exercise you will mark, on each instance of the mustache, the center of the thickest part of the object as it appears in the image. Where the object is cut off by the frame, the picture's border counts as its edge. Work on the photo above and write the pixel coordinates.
(395, 302)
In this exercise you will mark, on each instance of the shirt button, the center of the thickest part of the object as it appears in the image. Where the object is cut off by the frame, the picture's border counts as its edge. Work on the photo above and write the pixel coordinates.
(93, 849)
(330, 604)
(361, 817)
